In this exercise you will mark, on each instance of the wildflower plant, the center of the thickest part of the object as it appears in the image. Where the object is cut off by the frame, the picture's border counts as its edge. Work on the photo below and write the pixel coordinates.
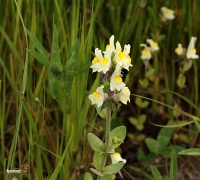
(188, 56)
(146, 55)
(107, 98)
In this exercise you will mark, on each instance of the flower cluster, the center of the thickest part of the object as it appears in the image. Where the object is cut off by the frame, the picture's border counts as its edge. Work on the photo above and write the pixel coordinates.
(167, 14)
(110, 63)
(148, 51)
(191, 51)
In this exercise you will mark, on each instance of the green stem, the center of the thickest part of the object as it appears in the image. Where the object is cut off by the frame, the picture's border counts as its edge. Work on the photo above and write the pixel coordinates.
(108, 123)
(107, 138)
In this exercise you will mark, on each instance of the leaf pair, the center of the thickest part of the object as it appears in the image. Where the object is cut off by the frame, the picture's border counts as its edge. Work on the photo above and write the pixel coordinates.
(138, 122)
(163, 139)
(117, 137)
(141, 103)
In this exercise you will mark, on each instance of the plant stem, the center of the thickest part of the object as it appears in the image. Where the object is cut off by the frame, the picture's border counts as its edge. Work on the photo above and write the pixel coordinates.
(107, 138)
(108, 123)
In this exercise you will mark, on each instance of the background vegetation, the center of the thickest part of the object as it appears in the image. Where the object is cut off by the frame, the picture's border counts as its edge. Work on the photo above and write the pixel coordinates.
(46, 48)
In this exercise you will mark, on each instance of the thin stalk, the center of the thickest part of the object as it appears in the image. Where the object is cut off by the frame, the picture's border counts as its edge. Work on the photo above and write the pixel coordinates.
(108, 124)
(107, 138)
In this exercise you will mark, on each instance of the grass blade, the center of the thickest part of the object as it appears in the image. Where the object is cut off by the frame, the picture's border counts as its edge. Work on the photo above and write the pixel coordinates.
(156, 173)
(60, 163)
(174, 167)
(191, 152)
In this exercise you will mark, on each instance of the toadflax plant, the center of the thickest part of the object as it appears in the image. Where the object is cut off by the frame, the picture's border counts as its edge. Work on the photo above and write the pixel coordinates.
(107, 97)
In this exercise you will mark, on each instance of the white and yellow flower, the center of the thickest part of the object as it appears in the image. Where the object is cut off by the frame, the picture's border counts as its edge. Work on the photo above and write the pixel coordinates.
(153, 45)
(101, 63)
(116, 157)
(97, 97)
(116, 82)
(146, 53)
(122, 58)
(180, 51)
(167, 14)
(111, 47)
(191, 51)
(95, 61)
(105, 63)
(124, 95)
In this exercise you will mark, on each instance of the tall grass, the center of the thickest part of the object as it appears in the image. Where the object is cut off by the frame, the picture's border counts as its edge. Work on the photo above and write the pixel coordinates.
(43, 123)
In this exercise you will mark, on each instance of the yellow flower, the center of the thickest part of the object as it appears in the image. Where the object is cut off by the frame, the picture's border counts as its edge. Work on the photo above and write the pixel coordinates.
(167, 14)
(95, 61)
(111, 47)
(180, 51)
(153, 45)
(116, 82)
(146, 53)
(97, 97)
(100, 63)
(122, 58)
(191, 51)
(116, 157)
(105, 63)
(124, 95)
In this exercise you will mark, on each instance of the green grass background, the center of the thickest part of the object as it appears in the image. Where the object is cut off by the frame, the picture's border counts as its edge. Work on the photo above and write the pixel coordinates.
(45, 125)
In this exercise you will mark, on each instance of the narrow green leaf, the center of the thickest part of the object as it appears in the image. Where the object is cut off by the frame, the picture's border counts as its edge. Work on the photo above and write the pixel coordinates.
(96, 172)
(153, 16)
(39, 57)
(37, 44)
(197, 124)
(25, 73)
(9, 42)
(55, 47)
(72, 57)
(173, 167)
(113, 168)
(95, 142)
(89, 39)
(156, 174)
(88, 176)
(60, 164)
(191, 152)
